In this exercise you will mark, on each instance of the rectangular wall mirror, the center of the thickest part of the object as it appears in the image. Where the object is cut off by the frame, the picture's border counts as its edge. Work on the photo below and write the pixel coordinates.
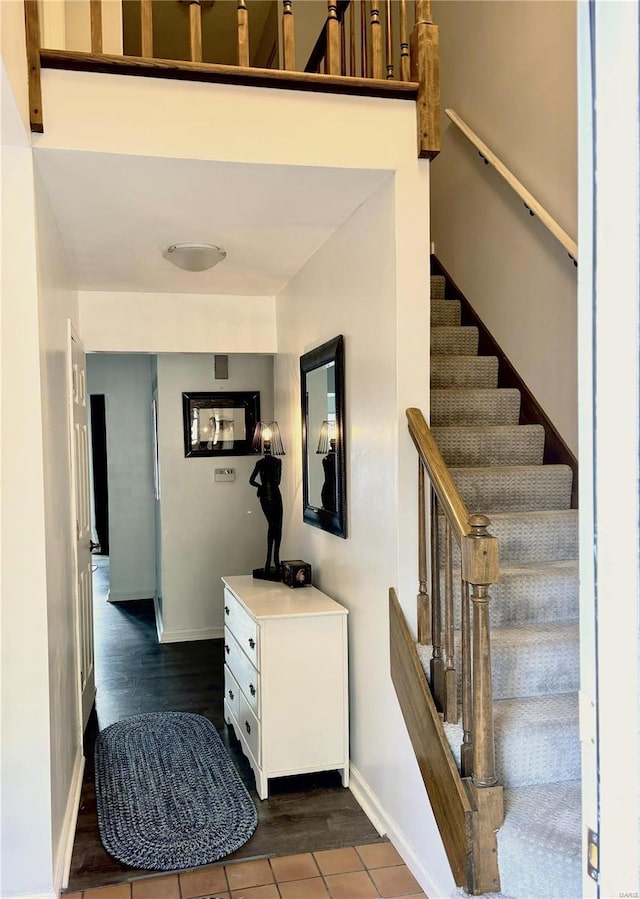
(323, 440)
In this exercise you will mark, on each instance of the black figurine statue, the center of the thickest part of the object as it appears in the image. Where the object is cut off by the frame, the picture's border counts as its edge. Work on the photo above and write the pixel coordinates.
(328, 492)
(269, 469)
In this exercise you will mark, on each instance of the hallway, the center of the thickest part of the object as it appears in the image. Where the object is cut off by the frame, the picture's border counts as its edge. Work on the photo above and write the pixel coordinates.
(304, 814)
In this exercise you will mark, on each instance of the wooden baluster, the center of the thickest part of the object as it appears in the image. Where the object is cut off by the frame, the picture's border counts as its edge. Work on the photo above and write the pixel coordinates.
(32, 30)
(146, 29)
(195, 30)
(389, 46)
(425, 69)
(364, 55)
(343, 44)
(480, 569)
(288, 36)
(466, 749)
(332, 55)
(436, 665)
(243, 34)
(95, 12)
(424, 610)
(450, 707)
(352, 38)
(377, 67)
(404, 42)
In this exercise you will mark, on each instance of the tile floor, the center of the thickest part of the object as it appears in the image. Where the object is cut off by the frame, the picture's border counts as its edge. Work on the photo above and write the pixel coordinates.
(360, 872)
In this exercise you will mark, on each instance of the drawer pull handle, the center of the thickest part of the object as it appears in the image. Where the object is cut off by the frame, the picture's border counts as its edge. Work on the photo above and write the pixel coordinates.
(252, 689)
(226, 610)
(252, 643)
(226, 648)
(248, 726)
(230, 694)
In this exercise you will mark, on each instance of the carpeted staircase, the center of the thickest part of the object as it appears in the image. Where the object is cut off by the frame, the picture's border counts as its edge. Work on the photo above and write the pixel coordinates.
(498, 467)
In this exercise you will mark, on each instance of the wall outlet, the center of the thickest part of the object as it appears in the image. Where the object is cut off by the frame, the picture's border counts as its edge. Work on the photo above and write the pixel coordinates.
(224, 474)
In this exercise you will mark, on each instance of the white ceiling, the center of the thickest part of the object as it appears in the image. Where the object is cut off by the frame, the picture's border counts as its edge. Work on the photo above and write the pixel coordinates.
(118, 213)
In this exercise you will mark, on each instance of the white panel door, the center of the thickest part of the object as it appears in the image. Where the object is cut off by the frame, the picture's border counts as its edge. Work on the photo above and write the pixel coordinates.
(82, 521)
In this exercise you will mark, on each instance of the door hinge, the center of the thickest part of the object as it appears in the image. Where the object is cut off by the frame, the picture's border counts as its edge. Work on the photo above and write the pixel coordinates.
(593, 854)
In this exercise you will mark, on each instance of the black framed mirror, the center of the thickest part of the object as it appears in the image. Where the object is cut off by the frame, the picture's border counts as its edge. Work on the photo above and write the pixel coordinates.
(324, 483)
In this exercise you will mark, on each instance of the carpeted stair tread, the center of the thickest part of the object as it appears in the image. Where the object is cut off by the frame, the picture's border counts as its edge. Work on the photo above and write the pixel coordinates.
(464, 371)
(469, 406)
(447, 340)
(530, 593)
(514, 488)
(437, 287)
(535, 659)
(484, 445)
(445, 312)
(537, 739)
(539, 845)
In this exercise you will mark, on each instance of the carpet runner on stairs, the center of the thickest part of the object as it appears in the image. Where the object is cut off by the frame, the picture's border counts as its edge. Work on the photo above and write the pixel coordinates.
(498, 467)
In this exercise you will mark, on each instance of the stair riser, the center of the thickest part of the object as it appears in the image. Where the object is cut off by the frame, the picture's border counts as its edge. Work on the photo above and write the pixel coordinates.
(475, 447)
(449, 341)
(538, 752)
(464, 371)
(445, 312)
(524, 598)
(474, 407)
(437, 287)
(530, 539)
(498, 490)
(535, 670)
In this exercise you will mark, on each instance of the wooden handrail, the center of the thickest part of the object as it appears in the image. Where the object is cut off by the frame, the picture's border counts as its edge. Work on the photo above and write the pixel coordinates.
(441, 480)
(527, 198)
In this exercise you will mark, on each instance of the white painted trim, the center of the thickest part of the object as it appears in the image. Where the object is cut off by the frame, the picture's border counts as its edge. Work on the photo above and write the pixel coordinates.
(386, 826)
(205, 633)
(129, 595)
(52, 895)
(65, 849)
(71, 336)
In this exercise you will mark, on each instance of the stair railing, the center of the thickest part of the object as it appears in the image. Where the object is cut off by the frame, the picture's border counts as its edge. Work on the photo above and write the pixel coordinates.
(478, 553)
(356, 52)
(531, 204)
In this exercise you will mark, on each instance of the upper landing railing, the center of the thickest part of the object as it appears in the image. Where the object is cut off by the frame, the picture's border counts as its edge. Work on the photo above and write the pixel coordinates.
(365, 48)
(530, 202)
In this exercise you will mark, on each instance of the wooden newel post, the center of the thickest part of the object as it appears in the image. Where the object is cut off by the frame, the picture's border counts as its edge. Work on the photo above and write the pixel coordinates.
(425, 69)
(333, 62)
(480, 569)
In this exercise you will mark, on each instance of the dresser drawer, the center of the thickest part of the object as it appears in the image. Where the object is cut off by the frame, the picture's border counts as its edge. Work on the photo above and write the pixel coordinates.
(231, 693)
(244, 673)
(250, 729)
(242, 626)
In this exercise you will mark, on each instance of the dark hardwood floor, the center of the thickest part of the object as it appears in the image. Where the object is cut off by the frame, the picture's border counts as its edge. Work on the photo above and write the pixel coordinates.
(136, 674)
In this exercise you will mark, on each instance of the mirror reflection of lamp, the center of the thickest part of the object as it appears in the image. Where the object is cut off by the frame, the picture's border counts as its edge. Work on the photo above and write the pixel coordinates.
(327, 444)
(267, 440)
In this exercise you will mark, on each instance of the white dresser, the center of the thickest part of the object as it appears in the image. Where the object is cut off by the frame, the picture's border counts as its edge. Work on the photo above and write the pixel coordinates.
(285, 678)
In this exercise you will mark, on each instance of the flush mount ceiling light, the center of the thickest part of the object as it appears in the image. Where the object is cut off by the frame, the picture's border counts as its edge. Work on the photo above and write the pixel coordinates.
(194, 257)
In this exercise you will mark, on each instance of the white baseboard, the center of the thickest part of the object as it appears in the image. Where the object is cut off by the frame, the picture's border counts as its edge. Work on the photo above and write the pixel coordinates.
(128, 595)
(178, 636)
(65, 847)
(386, 826)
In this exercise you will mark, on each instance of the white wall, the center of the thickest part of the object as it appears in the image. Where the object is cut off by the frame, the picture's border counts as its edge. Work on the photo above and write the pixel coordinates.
(125, 380)
(182, 322)
(208, 529)
(348, 289)
(59, 304)
(26, 860)
(517, 90)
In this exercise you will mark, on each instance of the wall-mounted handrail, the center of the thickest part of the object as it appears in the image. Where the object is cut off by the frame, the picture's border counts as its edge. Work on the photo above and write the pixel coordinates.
(527, 198)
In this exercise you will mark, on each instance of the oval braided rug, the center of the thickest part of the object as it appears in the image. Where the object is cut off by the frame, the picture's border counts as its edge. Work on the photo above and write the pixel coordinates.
(168, 794)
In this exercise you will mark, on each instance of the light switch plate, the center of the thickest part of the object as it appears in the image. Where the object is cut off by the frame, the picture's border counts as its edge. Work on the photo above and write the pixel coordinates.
(224, 474)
